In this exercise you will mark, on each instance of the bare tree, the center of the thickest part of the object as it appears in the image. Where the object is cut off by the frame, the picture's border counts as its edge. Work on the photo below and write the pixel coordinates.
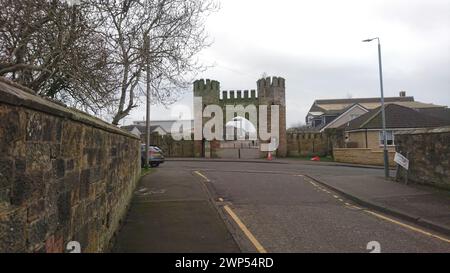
(54, 49)
(176, 32)
(92, 56)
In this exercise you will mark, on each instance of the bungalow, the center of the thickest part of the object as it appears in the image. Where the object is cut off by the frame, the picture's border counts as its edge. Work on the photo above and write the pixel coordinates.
(366, 130)
(364, 138)
(333, 113)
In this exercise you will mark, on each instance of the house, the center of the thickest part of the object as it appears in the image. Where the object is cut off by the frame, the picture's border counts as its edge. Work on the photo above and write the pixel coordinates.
(364, 140)
(354, 111)
(366, 130)
(325, 114)
(167, 125)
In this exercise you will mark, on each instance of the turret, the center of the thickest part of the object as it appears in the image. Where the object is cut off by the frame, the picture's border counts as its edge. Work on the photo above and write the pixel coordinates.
(272, 91)
(208, 89)
(271, 88)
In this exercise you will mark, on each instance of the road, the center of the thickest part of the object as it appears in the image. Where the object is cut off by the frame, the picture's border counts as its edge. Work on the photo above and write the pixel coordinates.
(275, 208)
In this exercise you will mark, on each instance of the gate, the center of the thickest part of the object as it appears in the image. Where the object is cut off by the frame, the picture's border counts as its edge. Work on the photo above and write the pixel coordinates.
(245, 149)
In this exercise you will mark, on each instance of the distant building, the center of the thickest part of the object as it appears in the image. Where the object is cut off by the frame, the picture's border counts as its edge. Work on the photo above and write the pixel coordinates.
(140, 130)
(334, 113)
(167, 125)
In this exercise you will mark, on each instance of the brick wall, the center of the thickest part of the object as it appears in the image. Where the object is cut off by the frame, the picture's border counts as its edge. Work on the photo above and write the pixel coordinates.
(64, 176)
(362, 156)
(369, 139)
(428, 152)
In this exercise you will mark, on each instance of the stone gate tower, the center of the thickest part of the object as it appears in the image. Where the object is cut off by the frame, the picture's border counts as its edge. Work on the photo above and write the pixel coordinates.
(270, 91)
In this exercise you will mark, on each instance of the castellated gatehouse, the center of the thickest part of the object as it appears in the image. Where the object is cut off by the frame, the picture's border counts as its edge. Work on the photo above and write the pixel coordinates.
(245, 141)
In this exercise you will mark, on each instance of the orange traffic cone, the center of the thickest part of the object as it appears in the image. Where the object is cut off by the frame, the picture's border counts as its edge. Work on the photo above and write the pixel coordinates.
(269, 156)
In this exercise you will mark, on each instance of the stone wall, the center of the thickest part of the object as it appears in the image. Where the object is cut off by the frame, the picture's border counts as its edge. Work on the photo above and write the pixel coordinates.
(308, 144)
(428, 152)
(362, 156)
(172, 148)
(64, 176)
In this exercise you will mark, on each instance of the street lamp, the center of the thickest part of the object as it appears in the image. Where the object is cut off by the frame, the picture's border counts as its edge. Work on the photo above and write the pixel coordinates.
(147, 121)
(383, 113)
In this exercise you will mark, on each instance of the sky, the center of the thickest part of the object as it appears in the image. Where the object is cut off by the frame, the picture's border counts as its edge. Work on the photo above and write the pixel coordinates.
(316, 46)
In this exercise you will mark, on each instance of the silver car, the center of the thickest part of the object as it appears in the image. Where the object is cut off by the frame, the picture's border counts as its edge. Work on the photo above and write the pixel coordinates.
(156, 156)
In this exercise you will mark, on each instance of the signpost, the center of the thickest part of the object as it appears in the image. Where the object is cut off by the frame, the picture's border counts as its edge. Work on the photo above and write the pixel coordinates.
(403, 162)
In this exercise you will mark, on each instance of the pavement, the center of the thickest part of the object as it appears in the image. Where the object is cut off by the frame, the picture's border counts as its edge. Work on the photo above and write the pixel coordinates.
(289, 206)
(424, 206)
(171, 213)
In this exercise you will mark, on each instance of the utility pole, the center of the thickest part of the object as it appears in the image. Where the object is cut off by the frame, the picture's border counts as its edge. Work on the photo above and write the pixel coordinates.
(147, 121)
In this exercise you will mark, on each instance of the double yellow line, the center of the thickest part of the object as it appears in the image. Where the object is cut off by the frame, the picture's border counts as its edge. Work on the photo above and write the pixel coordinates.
(380, 216)
(407, 226)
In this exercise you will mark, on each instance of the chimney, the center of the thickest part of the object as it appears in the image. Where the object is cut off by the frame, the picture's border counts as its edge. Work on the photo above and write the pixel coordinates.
(402, 93)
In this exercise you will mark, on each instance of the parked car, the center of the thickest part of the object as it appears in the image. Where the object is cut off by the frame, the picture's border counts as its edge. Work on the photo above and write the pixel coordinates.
(156, 156)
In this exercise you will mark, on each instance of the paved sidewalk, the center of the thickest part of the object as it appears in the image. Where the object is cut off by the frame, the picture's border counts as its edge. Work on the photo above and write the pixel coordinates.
(171, 213)
(422, 205)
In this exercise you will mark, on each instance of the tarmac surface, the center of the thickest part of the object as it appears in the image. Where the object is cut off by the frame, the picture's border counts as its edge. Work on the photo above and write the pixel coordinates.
(211, 207)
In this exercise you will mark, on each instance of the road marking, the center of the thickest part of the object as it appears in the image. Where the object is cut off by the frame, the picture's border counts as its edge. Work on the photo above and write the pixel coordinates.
(202, 176)
(244, 229)
(351, 206)
(407, 226)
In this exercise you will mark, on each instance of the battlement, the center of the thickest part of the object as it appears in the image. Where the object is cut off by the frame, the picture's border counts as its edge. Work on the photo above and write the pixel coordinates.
(269, 88)
(206, 85)
(271, 82)
(239, 95)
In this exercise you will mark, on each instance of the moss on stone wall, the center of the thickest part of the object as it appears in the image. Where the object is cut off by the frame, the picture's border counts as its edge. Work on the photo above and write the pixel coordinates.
(428, 153)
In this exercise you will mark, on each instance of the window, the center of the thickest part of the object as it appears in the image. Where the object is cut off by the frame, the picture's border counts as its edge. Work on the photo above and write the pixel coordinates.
(389, 138)
(317, 122)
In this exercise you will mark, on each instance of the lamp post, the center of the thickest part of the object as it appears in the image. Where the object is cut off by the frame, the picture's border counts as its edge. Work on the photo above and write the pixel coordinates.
(147, 121)
(383, 113)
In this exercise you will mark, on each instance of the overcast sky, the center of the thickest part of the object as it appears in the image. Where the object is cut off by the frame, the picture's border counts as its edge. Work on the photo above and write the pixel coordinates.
(316, 45)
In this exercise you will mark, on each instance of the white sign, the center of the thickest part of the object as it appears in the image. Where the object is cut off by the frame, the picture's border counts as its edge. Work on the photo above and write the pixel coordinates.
(401, 160)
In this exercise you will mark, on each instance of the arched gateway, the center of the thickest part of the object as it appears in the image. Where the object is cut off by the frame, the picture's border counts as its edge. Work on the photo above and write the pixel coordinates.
(270, 92)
